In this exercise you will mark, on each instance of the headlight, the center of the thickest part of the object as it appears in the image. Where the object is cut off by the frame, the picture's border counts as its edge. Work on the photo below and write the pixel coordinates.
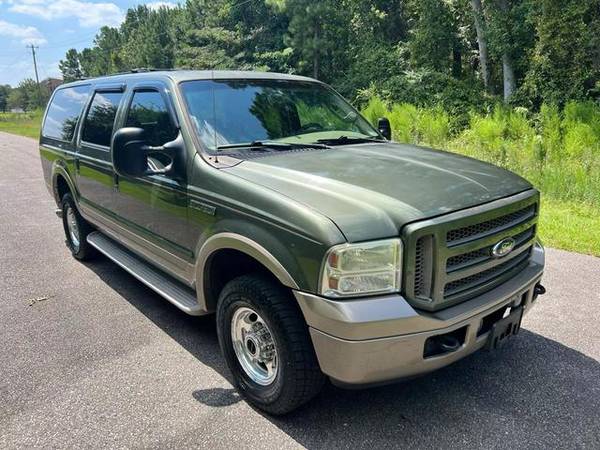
(359, 269)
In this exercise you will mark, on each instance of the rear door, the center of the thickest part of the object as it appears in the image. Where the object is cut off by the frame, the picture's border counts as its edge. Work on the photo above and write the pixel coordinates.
(155, 206)
(95, 173)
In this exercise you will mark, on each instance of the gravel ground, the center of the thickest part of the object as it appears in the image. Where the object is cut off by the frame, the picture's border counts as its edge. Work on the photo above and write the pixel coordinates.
(89, 357)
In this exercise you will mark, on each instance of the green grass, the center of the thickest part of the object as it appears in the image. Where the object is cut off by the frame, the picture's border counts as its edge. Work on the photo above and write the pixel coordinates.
(23, 124)
(570, 226)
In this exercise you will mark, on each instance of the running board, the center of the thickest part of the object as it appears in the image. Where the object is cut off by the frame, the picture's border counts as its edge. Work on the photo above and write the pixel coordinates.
(177, 293)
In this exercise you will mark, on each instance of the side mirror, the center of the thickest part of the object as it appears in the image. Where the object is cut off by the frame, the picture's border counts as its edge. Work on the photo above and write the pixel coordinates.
(384, 127)
(129, 153)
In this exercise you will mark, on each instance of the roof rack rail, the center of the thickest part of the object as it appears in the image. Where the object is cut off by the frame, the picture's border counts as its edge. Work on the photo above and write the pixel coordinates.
(148, 69)
(135, 70)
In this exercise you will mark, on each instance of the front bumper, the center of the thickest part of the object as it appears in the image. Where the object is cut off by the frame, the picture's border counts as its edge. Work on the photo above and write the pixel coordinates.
(375, 340)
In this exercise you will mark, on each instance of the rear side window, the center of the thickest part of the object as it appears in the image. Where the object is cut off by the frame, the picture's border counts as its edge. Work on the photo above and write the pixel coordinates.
(64, 112)
(149, 111)
(98, 124)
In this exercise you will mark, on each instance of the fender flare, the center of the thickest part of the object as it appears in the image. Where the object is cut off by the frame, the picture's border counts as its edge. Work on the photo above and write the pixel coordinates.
(59, 169)
(234, 241)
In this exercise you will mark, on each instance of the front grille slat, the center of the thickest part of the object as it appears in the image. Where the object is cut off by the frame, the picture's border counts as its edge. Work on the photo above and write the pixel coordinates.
(419, 269)
(482, 255)
(467, 259)
(471, 232)
(473, 281)
(452, 255)
(423, 266)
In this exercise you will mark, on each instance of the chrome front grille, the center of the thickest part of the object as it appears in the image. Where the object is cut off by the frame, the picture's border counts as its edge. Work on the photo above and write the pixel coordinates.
(449, 259)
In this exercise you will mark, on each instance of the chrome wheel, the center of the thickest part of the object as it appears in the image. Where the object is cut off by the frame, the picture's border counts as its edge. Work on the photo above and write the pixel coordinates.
(73, 227)
(254, 346)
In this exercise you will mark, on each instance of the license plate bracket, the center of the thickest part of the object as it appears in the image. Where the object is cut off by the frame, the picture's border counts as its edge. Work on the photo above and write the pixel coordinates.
(504, 328)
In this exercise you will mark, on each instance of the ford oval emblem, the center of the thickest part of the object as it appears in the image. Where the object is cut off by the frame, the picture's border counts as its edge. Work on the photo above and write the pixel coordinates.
(503, 248)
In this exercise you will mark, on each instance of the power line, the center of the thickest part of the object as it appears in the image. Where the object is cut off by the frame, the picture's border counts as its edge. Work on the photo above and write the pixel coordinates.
(241, 3)
(64, 44)
(10, 64)
(57, 45)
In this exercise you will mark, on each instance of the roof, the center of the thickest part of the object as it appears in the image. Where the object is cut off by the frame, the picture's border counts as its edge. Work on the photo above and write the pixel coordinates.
(188, 75)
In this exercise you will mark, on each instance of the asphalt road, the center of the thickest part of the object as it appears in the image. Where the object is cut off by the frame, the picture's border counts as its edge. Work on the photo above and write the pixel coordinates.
(89, 357)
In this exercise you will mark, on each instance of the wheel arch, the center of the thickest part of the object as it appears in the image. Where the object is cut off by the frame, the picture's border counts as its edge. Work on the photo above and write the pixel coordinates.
(62, 183)
(240, 251)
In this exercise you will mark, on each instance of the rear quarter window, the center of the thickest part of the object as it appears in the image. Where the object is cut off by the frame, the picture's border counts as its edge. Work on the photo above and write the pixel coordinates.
(64, 111)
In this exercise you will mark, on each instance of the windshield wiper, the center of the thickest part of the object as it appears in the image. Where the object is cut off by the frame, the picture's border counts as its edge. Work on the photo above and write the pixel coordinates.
(273, 145)
(342, 140)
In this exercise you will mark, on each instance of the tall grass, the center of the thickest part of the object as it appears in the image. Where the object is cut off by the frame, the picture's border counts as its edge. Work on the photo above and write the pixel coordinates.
(557, 150)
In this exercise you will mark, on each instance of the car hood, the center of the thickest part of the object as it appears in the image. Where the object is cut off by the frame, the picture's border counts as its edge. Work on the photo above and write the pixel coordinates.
(371, 190)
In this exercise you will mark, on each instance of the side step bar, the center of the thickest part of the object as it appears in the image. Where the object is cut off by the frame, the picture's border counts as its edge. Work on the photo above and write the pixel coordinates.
(177, 293)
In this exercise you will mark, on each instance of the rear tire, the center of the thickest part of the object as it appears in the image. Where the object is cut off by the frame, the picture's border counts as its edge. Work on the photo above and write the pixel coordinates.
(260, 328)
(76, 230)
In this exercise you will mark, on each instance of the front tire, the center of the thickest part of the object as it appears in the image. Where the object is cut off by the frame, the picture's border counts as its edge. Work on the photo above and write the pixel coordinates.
(266, 344)
(76, 230)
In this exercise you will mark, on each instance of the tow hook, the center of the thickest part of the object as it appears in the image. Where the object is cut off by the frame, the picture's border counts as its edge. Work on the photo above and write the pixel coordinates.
(448, 343)
(539, 289)
(445, 343)
(58, 212)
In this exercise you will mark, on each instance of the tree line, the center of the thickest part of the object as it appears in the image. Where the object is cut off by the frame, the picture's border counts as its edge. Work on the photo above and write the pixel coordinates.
(27, 96)
(458, 54)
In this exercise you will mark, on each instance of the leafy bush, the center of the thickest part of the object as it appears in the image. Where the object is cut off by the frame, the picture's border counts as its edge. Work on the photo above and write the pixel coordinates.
(549, 125)
(404, 118)
(375, 109)
(428, 89)
(433, 127)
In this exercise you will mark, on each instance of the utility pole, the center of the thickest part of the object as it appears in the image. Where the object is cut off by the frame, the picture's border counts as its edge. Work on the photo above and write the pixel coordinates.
(37, 78)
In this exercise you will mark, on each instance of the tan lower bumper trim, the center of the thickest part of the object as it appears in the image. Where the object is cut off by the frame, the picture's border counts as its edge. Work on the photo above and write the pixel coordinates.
(360, 362)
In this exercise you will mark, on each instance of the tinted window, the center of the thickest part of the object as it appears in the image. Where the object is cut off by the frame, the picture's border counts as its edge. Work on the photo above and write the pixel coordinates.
(149, 111)
(64, 111)
(98, 124)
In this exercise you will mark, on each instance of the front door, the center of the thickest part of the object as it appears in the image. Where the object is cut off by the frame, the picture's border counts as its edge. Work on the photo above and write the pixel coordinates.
(154, 207)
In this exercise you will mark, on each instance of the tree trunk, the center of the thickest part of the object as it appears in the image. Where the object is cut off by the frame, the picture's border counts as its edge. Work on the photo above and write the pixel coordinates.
(481, 42)
(317, 53)
(508, 73)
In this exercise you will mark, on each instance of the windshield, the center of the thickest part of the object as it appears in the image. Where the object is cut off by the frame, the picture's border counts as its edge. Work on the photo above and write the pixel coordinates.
(227, 113)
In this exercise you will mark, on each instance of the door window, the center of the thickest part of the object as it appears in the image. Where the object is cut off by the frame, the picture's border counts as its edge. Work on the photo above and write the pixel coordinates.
(100, 119)
(64, 111)
(149, 111)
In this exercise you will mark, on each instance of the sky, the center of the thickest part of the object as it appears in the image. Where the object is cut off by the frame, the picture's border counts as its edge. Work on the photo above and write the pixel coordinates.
(54, 26)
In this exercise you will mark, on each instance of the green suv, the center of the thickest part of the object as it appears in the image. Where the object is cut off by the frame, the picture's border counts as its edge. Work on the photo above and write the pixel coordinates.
(325, 249)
